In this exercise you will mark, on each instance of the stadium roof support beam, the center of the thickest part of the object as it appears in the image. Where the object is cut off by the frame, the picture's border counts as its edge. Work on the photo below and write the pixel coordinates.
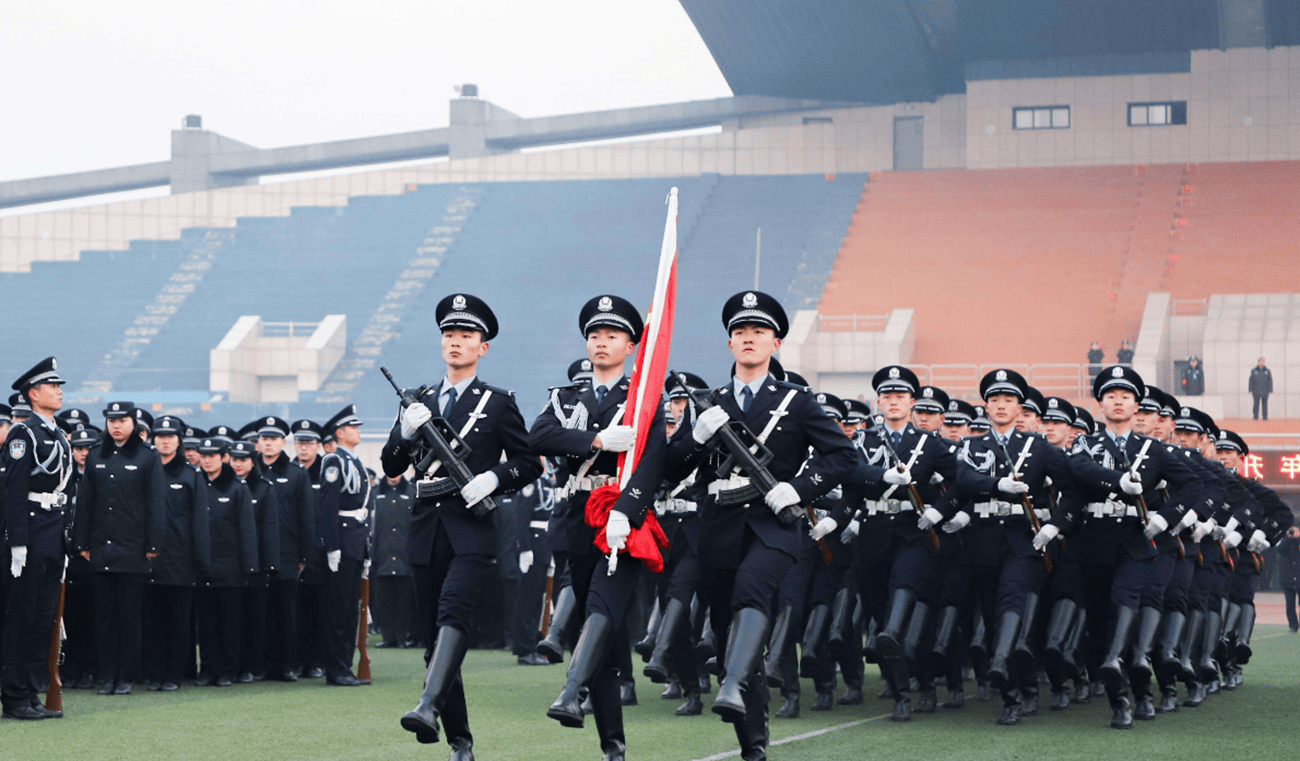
(62, 186)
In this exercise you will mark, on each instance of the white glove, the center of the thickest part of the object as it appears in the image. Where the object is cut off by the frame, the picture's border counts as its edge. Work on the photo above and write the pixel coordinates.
(19, 560)
(850, 532)
(617, 438)
(936, 478)
(525, 561)
(1189, 518)
(1045, 535)
(1009, 485)
(479, 487)
(835, 494)
(1129, 484)
(1257, 543)
(1044, 515)
(617, 530)
(1163, 483)
(333, 557)
(1155, 524)
(781, 496)
(413, 417)
(1231, 525)
(823, 527)
(898, 477)
(708, 423)
(930, 517)
(1232, 539)
(1202, 530)
(365, 568)
(958, 522)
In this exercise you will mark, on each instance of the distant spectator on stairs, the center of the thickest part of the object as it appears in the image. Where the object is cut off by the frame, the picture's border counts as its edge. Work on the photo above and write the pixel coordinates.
(1261, 385)
(1125, 354)
(1193, 378)
(1095, 356)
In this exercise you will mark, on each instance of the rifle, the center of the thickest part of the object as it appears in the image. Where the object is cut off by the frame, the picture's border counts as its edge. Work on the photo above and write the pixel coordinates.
(445, 446)
(1027, 505)
(544, 626)
(748, 454)
(363, 626)
(913, 494)
(1133, 474)
(54, 695)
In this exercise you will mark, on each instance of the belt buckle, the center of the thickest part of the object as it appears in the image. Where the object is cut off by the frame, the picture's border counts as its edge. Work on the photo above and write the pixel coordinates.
(892, 506)
(1002, 509)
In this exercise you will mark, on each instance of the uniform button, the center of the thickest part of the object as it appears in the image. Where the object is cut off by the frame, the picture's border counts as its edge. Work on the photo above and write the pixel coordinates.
(110, 541)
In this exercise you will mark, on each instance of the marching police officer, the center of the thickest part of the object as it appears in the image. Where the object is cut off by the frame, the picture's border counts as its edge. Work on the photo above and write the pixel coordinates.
(453, 550)
(344, 500)
(38, 464)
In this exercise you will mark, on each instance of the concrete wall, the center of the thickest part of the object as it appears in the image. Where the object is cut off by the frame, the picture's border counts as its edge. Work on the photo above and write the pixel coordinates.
(846, 359)
(1239, 329)
(252, 367)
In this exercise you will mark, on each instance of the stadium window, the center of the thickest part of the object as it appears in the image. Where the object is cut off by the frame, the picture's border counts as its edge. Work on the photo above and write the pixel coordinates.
(1040, 117)
(1157, 114)
(817, 120)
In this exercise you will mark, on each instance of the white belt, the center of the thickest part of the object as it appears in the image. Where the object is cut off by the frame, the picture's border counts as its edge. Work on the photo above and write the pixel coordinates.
(586, 483)
(676, 506)
(358, 515)
(888, 506)
(539, 525)
(1111, 510)
(727, 484)
(997, 509)
(48, 500)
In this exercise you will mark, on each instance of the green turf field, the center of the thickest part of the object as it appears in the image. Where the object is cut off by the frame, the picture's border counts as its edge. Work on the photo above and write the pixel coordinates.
(507, 706)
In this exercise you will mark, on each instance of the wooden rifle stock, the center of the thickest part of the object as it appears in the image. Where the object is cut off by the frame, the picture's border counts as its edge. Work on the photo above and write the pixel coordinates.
(54, 695)
(363, 626)
(544, 625)
(821, 545)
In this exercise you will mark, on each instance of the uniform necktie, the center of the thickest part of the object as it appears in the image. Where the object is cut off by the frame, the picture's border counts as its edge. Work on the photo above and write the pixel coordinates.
(1122, 443)
(746, 396)
(451, 402)
(600, 394)
(896, 438)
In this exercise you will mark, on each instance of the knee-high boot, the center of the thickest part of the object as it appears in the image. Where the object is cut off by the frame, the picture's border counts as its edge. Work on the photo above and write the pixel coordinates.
(943, 635)
(841, 624)
(1206, 669)
(552, 645)
(607, 709)
(444, 668)
(1058, 633)
(1167, 656)
(744, 648)
(1192, 636)
(669, 628)
(1023, 652)
(776, 649)
(1004, 639)
(1245, 627)
(646, 645)
(813, 633)
(1121, 630)
(588, 658)
(890, 639)
(1140, 662)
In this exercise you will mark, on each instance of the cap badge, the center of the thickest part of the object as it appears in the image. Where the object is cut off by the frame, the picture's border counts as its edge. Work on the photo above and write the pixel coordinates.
(1001, 376)
(929, 393)
(1117, 372)
(1053, 404)
(952, 406)
(54, 365)
(1185, 412)
(606, 304)
(115, 408)
(458, 302)
(821, 398)
(270, 421)
(749, 301)
(586, 364)
(893, 373)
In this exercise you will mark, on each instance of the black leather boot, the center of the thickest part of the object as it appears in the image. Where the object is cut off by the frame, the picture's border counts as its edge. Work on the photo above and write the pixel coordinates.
(943, 635)
(1171, 634)
(813, 633)
(916, 630)
(1121, 630)
(693, 705)
(552, 645)
(841, 628)
(825, 698)
(1192, 636)
(1140, 667)
(776, 647)
(707, 647)
(1058, 633)
(955, 699)
(1195, 694)
(672, 690)
(979, 641)
(1010, 714)
(1245, 627)
(1122, 718)
(1206, 669)
(588, 657)
(790, 707)
(1060, 699)
(1004, 638)
(869, 652)
(890, 639)
(744, 648)
(444, 668)
(1023, 653)
(646, 645)
(669, 627)
(1168, 700)
(894, 668)
(462, 749)
(1073, 655)
(627, 692)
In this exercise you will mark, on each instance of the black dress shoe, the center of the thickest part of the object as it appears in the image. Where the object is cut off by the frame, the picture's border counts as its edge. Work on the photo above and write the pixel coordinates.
(825, 701)
(852, 697)
(1010, 715)
(956, 699)
(672, 690)
(47, 713)
(1123, 716)
(347, 680)
(902, 710)
(153, 686)
(315, 672)
(86, 682)
(168, 687)
(25, 713)
(122, 688)
(1145, 710)
(927, 701)
(105, 688)
(1060, 700)
(532, 659)
(1028, 705)
(790, 708)
(246, 678)
(1168, 701)
(410, 643)
(287, 676)
(222, 682)
(1082, 694)
(692, 707)
(627, 693)
(385, 645)
(1195, 695)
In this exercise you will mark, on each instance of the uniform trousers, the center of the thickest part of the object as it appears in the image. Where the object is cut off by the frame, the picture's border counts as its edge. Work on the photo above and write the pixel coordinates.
(119, 604)
(1179, 587)
(168, 636)
(221, 631)
(342, 609)
(253, 651)
(282, 623)
(394, 608)
(28, 623)
(80, 658)
(1158, 577)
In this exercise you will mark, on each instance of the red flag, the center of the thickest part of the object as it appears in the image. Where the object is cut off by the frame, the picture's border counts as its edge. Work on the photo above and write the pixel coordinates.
(643, 398)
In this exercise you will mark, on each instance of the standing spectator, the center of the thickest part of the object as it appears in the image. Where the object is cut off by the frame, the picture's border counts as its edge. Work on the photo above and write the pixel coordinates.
(1125, 354)
(121, 508)
(392, 591)
(1261, 385)
(1193, 378)
(1095, 356)
(1289, 551)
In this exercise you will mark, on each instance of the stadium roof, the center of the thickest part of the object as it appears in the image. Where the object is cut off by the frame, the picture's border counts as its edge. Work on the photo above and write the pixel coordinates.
(891, 51)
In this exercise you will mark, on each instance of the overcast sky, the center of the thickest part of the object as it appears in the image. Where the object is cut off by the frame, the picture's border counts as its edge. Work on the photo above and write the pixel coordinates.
(89, 84)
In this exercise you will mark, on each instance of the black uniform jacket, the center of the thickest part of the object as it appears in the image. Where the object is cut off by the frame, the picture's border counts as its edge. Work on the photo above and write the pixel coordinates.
(498, 430)
(266, 518)
(184, 552)
(297, 502)
(981, 463)
(552, 436)
(122, 505)
(926, 455)
(800, 426)
(390, 527)
(233, 531)
(36, 459)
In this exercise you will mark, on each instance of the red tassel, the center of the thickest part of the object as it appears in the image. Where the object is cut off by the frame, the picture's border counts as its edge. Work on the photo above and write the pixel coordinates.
(643, 543)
